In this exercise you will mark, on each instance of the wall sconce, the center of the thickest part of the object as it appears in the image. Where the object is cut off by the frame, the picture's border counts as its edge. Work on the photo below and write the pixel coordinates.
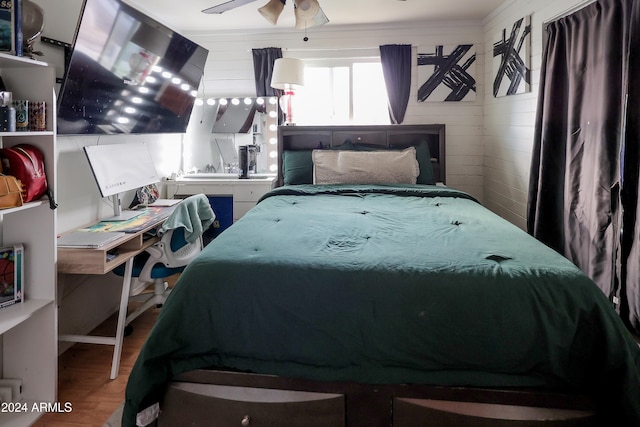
(288, 75)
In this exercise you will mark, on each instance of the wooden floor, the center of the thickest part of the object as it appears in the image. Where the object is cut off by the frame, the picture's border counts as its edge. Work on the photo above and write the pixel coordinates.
(83, 376)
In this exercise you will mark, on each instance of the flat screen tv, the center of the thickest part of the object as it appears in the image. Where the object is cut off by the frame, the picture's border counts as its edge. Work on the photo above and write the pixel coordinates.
(128, 74)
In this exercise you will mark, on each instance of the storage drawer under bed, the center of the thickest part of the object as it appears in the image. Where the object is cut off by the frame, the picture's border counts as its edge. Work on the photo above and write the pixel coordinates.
(442, 413)
(228, 406)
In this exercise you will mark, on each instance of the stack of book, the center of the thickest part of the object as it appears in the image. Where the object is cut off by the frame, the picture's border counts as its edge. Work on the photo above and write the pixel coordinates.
(11, 38)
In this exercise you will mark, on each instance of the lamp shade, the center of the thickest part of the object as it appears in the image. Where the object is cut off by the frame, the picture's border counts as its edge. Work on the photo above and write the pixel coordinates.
(303, 20)
(272, 10)
(306, 9)
(288, 73)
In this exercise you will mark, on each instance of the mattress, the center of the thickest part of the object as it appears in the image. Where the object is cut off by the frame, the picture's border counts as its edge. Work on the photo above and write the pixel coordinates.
(409, 284)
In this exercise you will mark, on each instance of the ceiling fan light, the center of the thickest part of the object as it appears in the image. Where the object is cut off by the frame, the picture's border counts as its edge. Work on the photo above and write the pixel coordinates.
(272, 10)
(316, 20)
(306, 9)
(303, 5)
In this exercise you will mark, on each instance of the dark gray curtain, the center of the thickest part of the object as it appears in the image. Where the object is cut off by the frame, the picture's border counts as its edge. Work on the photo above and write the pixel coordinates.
(263, 60)
(396, 67)
(630, 265)
(581, 194)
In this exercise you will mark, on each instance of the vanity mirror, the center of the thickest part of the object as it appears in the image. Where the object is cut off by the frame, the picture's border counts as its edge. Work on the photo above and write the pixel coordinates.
(238, 115)
(225, 125)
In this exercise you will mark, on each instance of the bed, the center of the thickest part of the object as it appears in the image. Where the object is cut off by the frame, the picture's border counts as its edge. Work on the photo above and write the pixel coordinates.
(380, 304)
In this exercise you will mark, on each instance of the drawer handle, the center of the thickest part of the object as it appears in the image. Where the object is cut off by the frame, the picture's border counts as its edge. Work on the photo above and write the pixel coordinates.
(246, 420)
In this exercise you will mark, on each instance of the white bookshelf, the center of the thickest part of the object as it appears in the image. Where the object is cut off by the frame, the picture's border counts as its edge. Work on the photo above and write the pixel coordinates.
(29, 344)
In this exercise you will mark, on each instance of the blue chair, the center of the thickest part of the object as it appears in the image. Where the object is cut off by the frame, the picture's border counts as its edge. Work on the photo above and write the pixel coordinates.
(180, 242)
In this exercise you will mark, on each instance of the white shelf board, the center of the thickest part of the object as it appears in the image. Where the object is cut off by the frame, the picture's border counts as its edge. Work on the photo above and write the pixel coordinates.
(28, 205)
(12, 61)
(28, 133)
(15, 314)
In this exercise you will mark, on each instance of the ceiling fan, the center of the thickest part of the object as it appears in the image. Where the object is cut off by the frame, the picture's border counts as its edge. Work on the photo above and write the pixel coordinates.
(308, 12)
(228, 5)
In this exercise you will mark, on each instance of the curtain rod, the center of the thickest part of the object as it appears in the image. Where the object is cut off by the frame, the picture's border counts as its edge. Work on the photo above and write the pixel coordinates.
(575, 8)
(330, 49)
(324, 49)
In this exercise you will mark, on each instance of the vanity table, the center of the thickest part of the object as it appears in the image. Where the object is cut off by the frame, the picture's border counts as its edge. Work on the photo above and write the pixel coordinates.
(230, 196)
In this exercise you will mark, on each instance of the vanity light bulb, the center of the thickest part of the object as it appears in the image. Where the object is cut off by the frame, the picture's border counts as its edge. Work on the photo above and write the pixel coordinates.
(273, 128)
(273, 154)
(235, 101)
(259, 101)
(211, 101)
(273, 141)
(248, 101)
(223, 101)
(199, 102)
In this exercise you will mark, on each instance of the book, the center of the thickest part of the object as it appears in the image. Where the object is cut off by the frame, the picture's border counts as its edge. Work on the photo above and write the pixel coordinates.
(88, 239)
(7, 37)
(11, 275)
(17, 28)
(165, 202)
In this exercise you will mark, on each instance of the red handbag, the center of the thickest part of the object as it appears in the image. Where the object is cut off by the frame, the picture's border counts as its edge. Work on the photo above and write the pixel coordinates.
(26, 162)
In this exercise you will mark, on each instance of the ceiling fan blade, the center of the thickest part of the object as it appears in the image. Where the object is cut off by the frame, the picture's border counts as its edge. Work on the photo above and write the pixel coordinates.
(228, 5)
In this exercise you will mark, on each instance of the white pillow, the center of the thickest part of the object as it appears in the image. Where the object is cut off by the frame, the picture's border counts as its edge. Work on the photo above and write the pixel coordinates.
(365, 167)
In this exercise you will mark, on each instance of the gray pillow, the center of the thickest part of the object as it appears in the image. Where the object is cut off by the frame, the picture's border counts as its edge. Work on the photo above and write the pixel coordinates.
(365, 167)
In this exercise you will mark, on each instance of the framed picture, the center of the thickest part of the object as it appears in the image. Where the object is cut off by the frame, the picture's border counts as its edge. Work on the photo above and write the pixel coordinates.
(512, 59)
(448, 73)
(11, 275)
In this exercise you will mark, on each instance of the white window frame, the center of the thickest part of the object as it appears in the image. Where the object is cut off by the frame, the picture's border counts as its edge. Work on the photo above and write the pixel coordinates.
(349, 64)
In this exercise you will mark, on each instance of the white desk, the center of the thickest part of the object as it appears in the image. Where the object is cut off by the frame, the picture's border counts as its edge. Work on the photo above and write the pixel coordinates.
(94, 261)
(245, 192)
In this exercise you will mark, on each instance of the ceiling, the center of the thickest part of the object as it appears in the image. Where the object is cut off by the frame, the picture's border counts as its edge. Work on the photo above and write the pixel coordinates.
(187, 16)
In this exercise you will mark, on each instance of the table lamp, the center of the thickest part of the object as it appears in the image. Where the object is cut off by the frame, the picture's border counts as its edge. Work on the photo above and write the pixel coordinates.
(288, 75)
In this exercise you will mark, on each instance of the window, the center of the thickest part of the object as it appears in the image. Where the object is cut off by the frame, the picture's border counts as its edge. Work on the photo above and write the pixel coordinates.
(342, 92)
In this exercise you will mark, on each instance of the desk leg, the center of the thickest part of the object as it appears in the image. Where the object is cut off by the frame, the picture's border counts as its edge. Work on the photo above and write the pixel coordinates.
(122, 317)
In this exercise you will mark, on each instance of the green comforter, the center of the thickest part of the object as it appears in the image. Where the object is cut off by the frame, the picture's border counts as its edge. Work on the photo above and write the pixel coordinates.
(389, 284)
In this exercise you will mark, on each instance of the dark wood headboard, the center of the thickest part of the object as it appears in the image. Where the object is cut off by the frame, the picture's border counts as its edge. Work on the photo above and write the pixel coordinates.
(395, 136)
